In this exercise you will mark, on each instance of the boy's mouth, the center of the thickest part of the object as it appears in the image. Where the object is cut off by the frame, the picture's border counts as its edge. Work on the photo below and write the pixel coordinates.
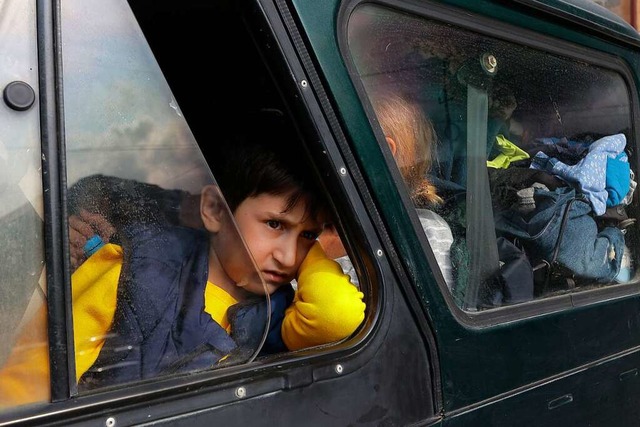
(276, 277)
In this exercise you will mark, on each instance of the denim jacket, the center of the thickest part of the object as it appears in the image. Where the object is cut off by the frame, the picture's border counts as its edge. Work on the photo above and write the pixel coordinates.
(586, 251)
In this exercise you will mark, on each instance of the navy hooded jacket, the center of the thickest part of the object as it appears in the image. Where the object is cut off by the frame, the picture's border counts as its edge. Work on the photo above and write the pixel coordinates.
(160, 326)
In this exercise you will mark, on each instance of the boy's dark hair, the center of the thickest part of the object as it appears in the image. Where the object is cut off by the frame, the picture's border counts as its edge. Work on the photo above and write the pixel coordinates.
(267, 161)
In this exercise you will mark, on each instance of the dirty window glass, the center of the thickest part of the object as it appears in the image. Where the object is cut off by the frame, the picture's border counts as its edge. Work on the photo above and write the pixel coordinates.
(23, 289)
(138, 245)
(519, 161)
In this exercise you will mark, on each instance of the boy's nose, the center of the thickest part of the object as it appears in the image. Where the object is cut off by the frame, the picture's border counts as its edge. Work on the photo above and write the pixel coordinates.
(286, 253)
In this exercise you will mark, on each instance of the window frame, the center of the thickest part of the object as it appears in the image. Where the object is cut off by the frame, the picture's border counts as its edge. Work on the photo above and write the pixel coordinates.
(56, 236)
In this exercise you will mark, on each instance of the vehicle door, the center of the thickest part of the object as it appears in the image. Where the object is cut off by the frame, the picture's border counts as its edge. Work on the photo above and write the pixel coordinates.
(103, 115)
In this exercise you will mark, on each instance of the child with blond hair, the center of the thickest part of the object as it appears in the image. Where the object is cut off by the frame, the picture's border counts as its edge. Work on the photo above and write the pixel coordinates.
(412, 142)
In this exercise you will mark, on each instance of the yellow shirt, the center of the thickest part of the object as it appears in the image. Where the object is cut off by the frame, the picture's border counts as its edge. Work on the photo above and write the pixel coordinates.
(216, 303)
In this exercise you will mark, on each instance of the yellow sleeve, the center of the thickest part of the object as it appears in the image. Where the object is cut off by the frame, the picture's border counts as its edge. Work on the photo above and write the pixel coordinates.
(25, 376)
(327, 307)
(94, 289)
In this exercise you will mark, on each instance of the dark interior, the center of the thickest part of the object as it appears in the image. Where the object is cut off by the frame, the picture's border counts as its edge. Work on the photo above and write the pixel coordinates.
(210, 62)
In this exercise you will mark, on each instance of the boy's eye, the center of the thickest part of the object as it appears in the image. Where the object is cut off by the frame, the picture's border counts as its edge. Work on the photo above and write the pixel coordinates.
(272, 223)
(309, 235)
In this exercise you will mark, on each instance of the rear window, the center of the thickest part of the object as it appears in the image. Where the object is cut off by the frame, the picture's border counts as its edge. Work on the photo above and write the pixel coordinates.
(527, 156)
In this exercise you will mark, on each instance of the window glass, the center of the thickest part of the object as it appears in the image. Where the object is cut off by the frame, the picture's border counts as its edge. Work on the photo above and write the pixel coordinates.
(518, 159)
(23, 287)
(142, 305)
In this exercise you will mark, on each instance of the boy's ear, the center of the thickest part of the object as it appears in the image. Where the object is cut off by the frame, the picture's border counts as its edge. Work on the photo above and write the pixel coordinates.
(392, 145)
(212, 206)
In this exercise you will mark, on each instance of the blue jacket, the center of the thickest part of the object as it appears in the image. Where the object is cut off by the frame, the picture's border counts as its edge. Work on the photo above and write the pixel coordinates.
(160, 326)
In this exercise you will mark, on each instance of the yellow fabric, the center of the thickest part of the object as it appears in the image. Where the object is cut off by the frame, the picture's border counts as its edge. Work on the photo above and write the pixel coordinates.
(216, 302)
(94, 288)
(25, 376)
(327, 307)
(509, 152)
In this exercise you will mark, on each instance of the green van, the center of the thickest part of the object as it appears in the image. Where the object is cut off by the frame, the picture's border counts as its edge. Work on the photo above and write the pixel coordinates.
(496, 257)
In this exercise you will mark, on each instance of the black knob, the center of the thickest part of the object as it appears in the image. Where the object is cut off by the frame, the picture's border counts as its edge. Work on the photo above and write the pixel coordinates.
(19, 96)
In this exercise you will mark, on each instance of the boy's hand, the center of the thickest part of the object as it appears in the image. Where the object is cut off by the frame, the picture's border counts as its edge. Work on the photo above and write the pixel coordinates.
(81, 228)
